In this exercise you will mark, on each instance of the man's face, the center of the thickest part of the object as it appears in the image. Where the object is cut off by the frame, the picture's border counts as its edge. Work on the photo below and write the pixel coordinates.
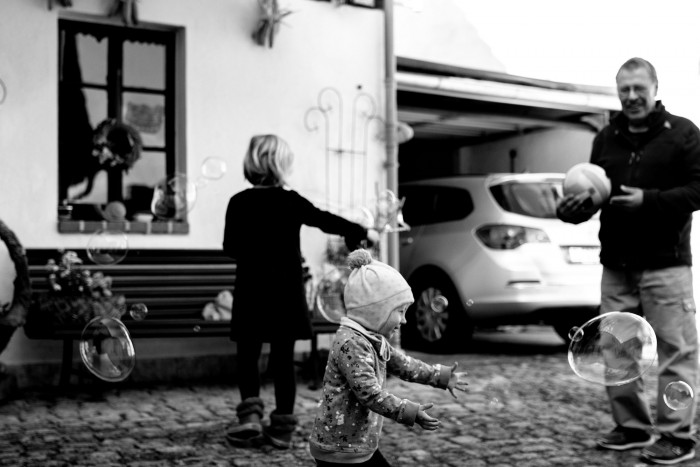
(637, 93)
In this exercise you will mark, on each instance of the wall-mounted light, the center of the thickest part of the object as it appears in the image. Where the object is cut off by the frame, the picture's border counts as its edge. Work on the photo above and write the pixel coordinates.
(63, 3)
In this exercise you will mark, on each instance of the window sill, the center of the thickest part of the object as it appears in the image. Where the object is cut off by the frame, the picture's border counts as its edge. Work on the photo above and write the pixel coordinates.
(133, 227)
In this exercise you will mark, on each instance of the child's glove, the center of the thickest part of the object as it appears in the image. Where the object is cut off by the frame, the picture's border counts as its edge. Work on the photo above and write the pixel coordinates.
(456, 381)
(426, 421)
(372, 237)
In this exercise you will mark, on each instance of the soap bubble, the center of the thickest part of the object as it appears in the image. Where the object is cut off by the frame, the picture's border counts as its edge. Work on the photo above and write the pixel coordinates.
(107, 247)
(678, 395)
(497, 390)
(329, 294)
(388, 210)
(138, 311)
(612, 349)
(359, 215)
(439, 303)
(574, 334)
(213, 168)
(495, 405)
(106, 349)
(173, 198)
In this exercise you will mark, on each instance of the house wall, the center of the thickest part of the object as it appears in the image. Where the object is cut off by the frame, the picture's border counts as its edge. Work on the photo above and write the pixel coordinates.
(234, 89)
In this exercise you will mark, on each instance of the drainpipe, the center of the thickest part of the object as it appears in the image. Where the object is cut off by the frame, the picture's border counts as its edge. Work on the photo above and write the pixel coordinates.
(392, 155)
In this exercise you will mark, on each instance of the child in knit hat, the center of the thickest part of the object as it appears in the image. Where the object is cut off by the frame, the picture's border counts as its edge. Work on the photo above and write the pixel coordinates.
(355, 400)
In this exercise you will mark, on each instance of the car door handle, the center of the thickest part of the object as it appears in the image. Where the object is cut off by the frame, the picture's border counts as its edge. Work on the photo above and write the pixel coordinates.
(407, 241)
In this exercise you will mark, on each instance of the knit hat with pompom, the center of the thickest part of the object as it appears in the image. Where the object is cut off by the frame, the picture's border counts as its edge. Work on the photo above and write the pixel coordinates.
(373, 290)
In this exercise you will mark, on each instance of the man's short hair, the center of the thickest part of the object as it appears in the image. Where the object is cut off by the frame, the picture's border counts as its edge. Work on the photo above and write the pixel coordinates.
(636, 62)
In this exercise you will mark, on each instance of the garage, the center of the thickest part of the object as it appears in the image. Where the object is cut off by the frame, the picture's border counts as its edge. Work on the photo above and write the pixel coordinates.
(452, 108)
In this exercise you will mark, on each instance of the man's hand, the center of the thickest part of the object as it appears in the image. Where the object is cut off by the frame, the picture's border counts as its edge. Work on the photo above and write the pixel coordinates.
(426, 421)
(631, 201)
(576, 208)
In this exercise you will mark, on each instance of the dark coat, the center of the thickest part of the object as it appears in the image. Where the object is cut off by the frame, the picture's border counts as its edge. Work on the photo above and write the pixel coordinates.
(664, 162)
(262, 234)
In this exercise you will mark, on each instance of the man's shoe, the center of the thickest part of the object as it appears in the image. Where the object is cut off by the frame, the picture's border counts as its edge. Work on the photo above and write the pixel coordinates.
(669, 451)
(622, 439)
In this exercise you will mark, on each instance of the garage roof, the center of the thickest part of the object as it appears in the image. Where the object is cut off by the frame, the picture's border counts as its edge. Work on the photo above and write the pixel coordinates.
(447, 102)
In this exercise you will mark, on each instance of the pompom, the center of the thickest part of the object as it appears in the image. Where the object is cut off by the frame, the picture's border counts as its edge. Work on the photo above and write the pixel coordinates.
(359, 258)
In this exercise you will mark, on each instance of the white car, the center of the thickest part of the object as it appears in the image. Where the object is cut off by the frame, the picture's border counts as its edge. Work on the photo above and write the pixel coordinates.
(486, 250)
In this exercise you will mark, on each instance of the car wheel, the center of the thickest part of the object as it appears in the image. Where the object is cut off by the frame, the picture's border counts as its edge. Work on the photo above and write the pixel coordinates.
(436, 329)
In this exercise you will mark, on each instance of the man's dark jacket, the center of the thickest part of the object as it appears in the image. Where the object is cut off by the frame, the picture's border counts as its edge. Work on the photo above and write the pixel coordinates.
(664, 162)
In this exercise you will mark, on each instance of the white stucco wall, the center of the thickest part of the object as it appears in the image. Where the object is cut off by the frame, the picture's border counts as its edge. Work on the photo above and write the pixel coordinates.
(440, 32)
(234, 89)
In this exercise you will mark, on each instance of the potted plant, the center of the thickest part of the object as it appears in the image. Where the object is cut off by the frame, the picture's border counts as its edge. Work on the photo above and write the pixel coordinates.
(75, 296)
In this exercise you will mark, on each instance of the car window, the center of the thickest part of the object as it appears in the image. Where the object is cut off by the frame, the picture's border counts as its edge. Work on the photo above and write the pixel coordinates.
(434, 204)
(534, 199)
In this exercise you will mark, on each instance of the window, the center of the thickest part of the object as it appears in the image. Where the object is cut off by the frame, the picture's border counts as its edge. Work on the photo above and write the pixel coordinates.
(116, 91)
(533, 199)
(433, 204)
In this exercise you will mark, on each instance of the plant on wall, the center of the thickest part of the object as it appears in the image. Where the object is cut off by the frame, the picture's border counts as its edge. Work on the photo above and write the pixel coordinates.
(127, 10)
(269, 22)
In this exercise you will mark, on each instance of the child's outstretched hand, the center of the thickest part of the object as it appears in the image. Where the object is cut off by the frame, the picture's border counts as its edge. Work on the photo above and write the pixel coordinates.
(457, 381)
(426, 421)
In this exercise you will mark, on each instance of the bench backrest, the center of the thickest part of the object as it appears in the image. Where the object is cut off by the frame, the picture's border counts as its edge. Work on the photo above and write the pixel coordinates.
(175, 285)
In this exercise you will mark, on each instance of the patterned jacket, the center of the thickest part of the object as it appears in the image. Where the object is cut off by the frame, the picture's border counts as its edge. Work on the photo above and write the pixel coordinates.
(354, 399)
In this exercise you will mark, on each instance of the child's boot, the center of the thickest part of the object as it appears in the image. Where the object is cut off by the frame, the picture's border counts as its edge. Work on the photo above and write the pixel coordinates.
(279, 432)
(249, 411)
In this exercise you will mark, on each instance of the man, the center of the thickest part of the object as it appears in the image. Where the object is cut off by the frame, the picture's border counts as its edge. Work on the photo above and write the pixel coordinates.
(653, 161)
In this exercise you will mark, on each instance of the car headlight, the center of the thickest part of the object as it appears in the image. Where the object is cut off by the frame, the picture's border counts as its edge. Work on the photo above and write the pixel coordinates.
(508, 237)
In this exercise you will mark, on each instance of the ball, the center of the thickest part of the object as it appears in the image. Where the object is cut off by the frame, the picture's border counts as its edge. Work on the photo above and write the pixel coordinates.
(589, 178)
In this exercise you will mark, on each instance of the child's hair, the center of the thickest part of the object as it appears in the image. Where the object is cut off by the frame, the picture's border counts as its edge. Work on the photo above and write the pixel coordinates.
(267, 161)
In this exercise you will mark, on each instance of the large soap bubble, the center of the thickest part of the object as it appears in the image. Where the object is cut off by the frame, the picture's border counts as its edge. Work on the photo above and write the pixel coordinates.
(173, 198)
(106, 349)
(107, 247)
(329, 294)
(388, 211)
(612, 349)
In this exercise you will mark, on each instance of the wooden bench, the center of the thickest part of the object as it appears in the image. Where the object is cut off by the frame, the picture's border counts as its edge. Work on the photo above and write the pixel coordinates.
(175, 285)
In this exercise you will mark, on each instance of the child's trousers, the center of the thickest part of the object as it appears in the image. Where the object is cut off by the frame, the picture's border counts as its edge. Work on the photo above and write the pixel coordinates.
(281, 365)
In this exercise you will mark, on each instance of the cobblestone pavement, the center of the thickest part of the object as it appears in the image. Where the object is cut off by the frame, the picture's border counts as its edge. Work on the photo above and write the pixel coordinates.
(521, 410)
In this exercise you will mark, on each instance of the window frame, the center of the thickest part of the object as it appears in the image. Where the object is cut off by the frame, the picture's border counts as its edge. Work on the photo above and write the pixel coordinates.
(175, 161)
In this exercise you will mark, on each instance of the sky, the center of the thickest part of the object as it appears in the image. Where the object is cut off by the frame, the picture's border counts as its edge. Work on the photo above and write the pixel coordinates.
(586, 42)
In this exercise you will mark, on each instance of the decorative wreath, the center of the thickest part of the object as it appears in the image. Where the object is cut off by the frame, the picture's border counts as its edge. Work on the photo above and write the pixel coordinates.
(14, 313)
(116, 144)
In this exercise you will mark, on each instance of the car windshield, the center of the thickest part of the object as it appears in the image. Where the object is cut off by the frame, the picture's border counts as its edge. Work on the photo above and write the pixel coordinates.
(529, 198)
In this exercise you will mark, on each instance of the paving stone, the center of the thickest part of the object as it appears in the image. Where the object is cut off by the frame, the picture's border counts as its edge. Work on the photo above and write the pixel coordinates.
(545, 416)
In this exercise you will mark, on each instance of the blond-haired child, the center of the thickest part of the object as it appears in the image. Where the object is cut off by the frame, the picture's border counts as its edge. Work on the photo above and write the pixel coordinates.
(262, 233)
